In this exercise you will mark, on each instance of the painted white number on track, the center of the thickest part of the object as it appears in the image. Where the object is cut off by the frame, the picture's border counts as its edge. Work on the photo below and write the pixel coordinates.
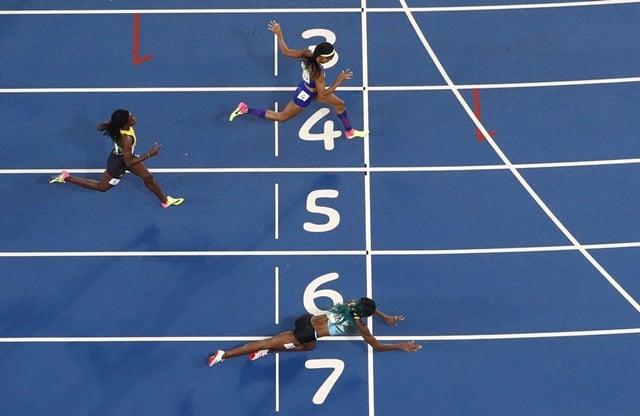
(328, 135)
(333, 216)
(311, 293)
(325, 388)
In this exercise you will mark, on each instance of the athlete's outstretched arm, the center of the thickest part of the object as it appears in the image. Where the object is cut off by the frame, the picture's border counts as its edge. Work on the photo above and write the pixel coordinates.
(291, 53)
(409, 346)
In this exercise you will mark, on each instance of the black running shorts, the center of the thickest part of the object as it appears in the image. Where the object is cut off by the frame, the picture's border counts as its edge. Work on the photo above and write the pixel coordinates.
(304, 331)
(115, 166)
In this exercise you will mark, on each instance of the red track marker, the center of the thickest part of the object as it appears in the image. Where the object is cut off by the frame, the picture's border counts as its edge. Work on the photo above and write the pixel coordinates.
(476, 110)
(136, 42)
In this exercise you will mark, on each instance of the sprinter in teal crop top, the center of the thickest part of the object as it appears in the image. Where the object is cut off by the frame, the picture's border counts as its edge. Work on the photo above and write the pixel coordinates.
(341, 319)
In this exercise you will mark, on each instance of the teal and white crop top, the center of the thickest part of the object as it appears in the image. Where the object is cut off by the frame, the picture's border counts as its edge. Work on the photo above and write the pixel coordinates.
(337, 327)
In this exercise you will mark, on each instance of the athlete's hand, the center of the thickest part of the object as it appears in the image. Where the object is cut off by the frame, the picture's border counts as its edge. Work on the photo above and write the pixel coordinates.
(345, 74)
(154, 150)
(410, 346)
(275, 28)
(393, 320)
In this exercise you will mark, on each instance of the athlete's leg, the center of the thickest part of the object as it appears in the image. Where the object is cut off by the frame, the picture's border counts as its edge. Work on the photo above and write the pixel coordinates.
(302, 97)
(276, 343)
(290, 110)
(334, 101)
(341, 111)
(141, 171)
(102, 185)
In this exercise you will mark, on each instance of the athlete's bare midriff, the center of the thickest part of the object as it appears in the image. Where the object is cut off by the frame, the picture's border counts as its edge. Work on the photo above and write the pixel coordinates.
(320, 325)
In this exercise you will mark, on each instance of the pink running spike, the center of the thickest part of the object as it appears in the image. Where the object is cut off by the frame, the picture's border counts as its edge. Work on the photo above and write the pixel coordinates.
(356, 133)
(241, 109)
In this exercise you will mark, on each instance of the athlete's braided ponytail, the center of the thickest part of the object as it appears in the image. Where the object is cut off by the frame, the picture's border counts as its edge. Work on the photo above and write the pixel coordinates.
(347, 314)
(119, 119)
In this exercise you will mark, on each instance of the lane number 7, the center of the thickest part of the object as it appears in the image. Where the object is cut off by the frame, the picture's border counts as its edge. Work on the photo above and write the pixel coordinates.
(325, 388)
